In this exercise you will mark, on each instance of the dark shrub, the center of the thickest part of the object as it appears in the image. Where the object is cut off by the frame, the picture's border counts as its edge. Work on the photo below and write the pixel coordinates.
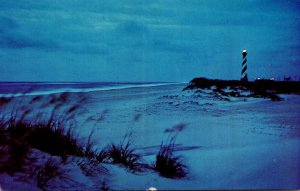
(15, 158)
(54, 140)
(51, 136)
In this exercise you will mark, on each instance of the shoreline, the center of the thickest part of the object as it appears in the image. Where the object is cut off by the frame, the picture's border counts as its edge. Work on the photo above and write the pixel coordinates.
(85, 90)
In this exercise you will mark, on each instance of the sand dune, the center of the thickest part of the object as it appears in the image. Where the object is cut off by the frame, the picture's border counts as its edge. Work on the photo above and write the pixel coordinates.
(240, 143)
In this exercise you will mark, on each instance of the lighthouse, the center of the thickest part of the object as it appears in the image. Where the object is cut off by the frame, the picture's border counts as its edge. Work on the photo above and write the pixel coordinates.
(244, 77)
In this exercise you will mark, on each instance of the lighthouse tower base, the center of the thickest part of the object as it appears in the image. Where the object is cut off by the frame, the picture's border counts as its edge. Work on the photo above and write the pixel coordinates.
(244, 79)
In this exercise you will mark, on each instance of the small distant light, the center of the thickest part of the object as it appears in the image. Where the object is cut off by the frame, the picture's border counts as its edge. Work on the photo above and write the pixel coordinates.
(151, 189)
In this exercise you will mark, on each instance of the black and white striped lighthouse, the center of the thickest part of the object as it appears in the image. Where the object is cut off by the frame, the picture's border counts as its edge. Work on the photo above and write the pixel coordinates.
(244, 76)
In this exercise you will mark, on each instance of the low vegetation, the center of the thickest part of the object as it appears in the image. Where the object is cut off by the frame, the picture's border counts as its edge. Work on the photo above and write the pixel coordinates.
(48, 171)
(55, 137)
(258, 89)
(167, 164)
(24, 132)
(125, 155)
(15, 157)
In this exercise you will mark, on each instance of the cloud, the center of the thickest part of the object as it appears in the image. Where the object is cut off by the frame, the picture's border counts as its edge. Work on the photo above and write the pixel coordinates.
(21, 42)
(132, 28)
(7, 23)
(12, 36)
(154, 40)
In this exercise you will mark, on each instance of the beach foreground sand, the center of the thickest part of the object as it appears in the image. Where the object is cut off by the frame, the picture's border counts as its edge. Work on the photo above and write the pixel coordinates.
(244, 143)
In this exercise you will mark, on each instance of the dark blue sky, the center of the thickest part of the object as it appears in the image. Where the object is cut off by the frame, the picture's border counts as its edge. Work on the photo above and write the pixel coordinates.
(135, 40)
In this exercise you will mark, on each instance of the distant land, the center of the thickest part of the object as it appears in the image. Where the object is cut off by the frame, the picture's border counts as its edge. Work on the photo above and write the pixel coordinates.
(257, 88)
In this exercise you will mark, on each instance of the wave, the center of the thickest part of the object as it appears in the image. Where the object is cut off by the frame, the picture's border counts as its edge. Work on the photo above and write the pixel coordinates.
(106, 87)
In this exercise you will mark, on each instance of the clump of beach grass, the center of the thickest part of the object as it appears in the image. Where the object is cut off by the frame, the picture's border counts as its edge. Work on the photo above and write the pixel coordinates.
(21, 134)
(124, 154)
(48, 171)
(167, 164)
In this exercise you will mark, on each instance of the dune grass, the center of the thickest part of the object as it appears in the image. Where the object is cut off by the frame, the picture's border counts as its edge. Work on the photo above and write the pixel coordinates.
(15, 157)
(51, 137)
(52, 134)
(167, 164)
(56, 138)
(124, 154)
(48, 171)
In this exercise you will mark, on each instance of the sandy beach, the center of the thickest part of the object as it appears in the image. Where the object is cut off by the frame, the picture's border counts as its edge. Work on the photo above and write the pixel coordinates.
(243, 143)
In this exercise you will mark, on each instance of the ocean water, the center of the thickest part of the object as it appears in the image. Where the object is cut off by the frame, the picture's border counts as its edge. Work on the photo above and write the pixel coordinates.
(9, 89)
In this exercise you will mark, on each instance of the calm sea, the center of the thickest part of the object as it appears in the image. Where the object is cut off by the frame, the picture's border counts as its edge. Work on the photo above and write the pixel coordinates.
(8, 89)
